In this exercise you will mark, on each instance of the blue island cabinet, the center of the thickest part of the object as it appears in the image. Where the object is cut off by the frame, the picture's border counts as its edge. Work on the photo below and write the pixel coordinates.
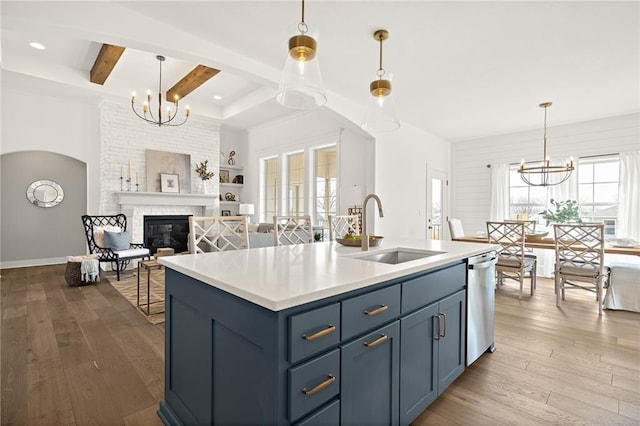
(360, 357)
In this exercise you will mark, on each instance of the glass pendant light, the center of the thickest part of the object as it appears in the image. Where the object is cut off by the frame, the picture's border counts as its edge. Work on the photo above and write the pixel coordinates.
(301, 83)
(381, 111)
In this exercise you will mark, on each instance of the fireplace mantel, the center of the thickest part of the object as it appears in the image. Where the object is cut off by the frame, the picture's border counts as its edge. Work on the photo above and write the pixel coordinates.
(130, 200)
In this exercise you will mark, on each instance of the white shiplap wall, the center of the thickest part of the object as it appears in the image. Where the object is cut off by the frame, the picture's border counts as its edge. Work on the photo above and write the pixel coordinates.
(470, 194)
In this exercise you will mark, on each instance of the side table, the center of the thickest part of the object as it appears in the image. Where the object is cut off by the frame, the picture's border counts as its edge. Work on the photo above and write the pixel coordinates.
(148, 265)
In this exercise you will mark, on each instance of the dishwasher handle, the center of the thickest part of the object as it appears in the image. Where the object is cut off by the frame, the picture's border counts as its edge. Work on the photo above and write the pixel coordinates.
(484, 265)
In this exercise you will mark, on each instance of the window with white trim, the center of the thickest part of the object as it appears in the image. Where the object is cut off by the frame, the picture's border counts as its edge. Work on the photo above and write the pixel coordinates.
(598, 179)
(598, 183)
(270, 173)
(326, 176)
(295, 184)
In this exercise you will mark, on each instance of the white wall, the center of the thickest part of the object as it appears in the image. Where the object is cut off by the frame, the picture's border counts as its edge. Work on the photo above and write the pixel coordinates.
(402, 159)
(471, 178)
(37, 117)
(124, 139)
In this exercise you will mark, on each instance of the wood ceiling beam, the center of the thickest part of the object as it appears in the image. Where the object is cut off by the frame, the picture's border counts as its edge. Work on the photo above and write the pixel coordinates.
(105, 62)
(196, 78)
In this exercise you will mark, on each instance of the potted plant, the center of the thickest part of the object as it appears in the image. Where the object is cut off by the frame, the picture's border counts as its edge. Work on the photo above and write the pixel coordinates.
(202, 169)
(562, 212)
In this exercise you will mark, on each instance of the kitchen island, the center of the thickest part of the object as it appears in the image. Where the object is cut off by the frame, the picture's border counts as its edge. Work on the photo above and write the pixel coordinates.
(313, 334)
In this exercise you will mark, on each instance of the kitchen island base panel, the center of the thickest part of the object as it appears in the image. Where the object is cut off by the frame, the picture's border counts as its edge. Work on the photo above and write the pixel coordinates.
(229, 360)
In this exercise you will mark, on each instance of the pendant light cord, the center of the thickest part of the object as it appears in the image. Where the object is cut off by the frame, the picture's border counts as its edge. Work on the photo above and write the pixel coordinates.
(544, 153)
(380, 69)
(302, 26)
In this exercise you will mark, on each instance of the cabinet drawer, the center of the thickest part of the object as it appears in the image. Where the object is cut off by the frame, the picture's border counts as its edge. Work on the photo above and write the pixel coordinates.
(370, 310)
(428, 288)
(313, 383)
(314, 331)
(326, 416)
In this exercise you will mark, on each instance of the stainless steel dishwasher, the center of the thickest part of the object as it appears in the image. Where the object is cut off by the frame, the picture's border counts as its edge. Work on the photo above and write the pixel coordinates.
(481, 298)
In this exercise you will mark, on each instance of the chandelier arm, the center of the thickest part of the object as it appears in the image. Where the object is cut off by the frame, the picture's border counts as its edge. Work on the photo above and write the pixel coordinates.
(142, 116)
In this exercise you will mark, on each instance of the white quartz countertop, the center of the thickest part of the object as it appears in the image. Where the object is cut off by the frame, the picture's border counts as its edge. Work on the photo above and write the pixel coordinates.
(278, 278)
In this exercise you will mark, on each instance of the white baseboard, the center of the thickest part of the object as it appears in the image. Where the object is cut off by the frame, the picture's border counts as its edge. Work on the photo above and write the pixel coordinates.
(33, 262)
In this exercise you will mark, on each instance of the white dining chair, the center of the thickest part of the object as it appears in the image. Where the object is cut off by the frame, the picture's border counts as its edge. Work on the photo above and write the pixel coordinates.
(455, 228)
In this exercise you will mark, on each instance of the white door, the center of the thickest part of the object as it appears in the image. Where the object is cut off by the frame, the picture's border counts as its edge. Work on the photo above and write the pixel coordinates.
(437, 202)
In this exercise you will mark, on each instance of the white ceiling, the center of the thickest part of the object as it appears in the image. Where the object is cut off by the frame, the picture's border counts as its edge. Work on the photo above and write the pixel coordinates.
(461, 69)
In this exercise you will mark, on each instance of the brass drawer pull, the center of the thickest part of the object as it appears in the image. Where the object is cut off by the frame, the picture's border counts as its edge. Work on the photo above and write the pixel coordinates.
(444, 320)
(376, 342)
(330, 329)
(376, 311)
(330, 379)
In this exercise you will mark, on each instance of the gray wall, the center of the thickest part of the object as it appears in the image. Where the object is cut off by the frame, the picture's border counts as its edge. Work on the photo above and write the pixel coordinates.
(35, 234)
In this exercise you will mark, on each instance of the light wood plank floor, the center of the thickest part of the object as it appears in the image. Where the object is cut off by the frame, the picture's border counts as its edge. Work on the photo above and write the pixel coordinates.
(83, 355)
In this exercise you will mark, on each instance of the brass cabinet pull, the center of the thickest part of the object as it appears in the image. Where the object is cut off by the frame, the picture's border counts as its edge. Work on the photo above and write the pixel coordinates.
(330, 329)
(330, 379)
(376, 342)
(444, 320)
(438, 335)
(376, 311)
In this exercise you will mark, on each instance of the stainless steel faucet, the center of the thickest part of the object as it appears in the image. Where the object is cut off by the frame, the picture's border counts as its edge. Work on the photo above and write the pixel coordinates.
(365, 238)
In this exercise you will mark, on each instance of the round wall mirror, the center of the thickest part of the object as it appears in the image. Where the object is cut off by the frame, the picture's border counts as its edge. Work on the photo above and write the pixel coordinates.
(45, 193)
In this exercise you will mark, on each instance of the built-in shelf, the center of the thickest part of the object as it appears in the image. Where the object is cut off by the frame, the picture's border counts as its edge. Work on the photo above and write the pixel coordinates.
(229, 202)
(224, 166)
(231, 185)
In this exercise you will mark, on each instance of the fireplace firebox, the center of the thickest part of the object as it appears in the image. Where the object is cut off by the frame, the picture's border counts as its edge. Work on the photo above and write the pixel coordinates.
(166, 231)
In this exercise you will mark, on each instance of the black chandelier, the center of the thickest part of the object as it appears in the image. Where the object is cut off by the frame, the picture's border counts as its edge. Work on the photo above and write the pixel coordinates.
(148, 116)
(545, 174)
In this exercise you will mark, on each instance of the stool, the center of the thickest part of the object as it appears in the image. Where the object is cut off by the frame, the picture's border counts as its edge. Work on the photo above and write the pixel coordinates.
(148, 265)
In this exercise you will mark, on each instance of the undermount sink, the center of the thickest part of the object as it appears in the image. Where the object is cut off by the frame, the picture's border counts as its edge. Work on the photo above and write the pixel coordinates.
(394, 257)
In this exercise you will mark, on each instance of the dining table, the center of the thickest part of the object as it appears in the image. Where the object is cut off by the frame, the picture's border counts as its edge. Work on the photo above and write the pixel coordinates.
(549, 243)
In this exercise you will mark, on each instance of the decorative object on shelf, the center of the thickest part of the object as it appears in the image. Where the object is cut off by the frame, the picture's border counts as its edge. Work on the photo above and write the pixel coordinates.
(238, 179)
(202, 169)
(229, 197)
(146, 106)
(224, 176)
(545, 174)
(169, 182)
(246, 210)
(45, 193)
(381, 111)
(563, 212)
(226, 212)
(301, 83)
(220, 197)
(231, 161)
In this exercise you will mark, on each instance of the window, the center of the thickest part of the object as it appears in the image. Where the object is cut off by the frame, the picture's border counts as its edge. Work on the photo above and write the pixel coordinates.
(270, 189)
(598, 179)
(597, 189)
(295, 169)
(525, 201)
(326, 184)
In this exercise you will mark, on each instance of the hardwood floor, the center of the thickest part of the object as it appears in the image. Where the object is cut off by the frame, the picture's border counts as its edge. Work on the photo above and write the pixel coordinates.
(83, 355)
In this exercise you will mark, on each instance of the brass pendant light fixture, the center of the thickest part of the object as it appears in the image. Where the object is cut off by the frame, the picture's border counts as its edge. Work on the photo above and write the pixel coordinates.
(148, 116)
(301, 82)
(545, 174)
(381, 112)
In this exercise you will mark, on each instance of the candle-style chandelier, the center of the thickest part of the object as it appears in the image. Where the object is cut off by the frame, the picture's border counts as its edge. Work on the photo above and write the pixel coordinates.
(545, 174)
(148, 116)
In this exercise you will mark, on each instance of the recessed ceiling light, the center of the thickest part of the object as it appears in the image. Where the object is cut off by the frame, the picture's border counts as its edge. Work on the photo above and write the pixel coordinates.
(37, 45)
(217, 97)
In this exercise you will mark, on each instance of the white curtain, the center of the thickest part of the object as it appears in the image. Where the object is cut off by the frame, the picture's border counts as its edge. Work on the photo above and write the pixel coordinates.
(499, 208)
(628, 221)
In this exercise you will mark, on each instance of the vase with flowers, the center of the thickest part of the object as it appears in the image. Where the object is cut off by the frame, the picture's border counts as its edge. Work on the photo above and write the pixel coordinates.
(206, 183)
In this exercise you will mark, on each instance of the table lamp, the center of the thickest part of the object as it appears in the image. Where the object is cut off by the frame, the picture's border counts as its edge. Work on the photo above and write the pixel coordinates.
(246, 210)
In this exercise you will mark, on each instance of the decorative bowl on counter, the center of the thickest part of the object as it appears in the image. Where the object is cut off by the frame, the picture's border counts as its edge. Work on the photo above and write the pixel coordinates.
(536, 236)
(374, 240)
